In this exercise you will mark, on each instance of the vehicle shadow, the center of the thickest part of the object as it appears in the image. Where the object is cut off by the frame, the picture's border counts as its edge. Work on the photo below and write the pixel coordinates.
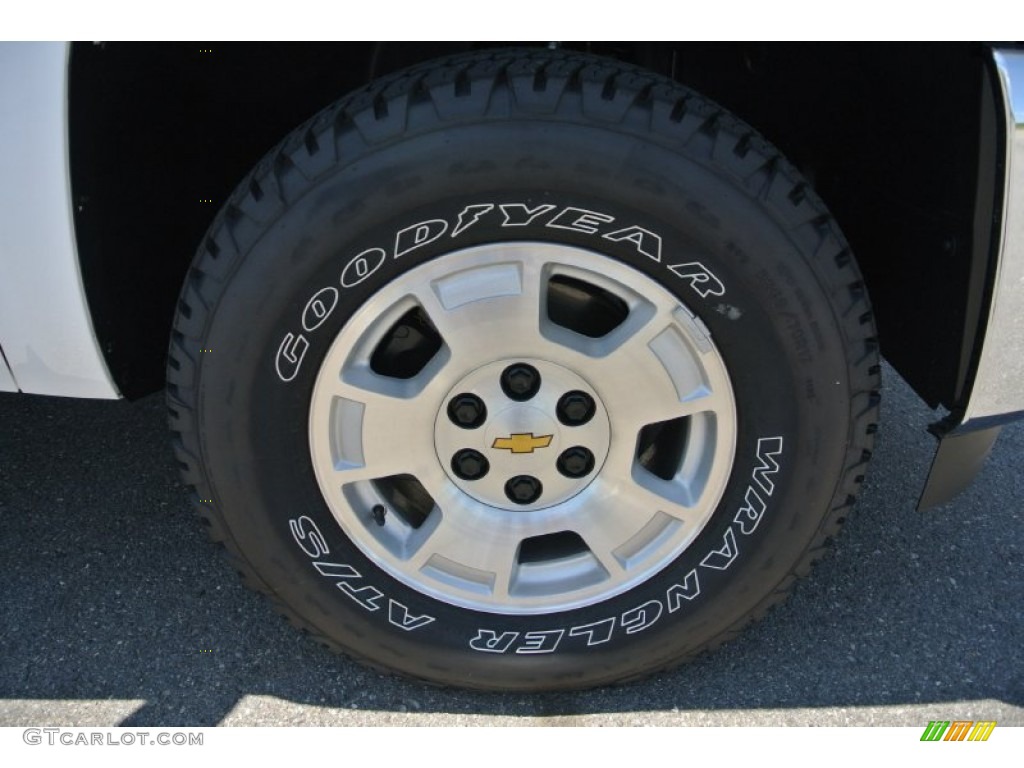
(111, 591)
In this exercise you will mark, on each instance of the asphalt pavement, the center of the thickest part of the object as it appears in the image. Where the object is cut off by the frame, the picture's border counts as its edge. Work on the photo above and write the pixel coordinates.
(116, 610)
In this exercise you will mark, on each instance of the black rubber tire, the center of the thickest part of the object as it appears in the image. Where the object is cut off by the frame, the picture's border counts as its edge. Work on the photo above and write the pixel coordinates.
(794, 327)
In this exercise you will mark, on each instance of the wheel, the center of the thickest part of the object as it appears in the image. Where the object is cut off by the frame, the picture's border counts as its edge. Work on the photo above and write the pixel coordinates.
(523, 370)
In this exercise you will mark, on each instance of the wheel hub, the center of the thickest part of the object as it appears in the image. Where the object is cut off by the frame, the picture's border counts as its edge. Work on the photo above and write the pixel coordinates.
(534, 458)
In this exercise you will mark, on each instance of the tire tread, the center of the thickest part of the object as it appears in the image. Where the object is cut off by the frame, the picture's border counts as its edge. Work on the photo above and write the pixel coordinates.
(533, 83)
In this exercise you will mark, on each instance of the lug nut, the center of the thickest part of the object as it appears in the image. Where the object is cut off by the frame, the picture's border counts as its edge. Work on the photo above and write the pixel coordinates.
(575, 408)
(469, 464)
(523, 489)
(520, 381)
(576, 462)
(467, 411)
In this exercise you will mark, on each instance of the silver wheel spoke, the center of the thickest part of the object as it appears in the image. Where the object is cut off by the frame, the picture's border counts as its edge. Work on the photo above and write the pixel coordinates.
(376, 432)
(607, 525)
(439, 539)
(501, 559)
(648, 377)
(639, 494)
(502, 304)
(623, 517)
(453, 549)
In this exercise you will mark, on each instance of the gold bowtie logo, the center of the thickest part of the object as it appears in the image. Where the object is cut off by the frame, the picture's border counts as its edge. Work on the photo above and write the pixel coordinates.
(522, 442)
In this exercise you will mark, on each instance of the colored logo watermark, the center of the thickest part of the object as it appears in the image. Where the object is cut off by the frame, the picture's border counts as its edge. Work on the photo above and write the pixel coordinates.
(958, 730)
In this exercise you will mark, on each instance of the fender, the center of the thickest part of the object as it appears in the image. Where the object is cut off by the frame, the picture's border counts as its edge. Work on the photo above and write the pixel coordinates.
(45, 327)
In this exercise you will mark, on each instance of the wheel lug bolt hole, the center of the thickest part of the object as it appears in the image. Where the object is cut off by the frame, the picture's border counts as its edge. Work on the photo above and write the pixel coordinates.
(520, 382)
(576, 408)
(523, 489)
(467, 411)
(468, 464)
(575, 462)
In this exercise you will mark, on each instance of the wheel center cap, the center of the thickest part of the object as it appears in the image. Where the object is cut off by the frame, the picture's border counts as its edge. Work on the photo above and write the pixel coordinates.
(537, 443)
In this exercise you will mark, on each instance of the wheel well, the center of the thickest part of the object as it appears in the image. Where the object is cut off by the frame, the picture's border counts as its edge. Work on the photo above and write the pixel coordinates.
(899, 141)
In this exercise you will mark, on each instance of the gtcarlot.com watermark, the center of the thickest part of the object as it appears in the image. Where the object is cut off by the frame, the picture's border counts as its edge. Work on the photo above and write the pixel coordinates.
(76, 737)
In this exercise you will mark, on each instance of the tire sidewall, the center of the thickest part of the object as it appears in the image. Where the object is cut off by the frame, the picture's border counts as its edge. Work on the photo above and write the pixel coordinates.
(772, 322)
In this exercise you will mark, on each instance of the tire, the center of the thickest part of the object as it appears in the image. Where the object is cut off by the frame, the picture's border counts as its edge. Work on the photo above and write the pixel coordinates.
(523, 370)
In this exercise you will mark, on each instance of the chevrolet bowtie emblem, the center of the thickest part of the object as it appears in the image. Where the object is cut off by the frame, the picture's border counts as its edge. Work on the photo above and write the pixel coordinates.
(522, 442)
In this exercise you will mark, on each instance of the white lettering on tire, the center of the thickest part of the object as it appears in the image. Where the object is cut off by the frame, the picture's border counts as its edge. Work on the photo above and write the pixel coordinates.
(488, 641)
(418, 235)
(646, 242)
(361, 266)
(541, 642)
(313, 544)
(767, 449)
(337, 570)
(401, 617)
(701, 279)
(688, 590)
(519, 215)
(469, 216)
(308, 537)
(367, 596)
(722, 558)
(640, 618)
(579, 220)
(289, 356)
(597, 632)
(318, 308)
(751, 512)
